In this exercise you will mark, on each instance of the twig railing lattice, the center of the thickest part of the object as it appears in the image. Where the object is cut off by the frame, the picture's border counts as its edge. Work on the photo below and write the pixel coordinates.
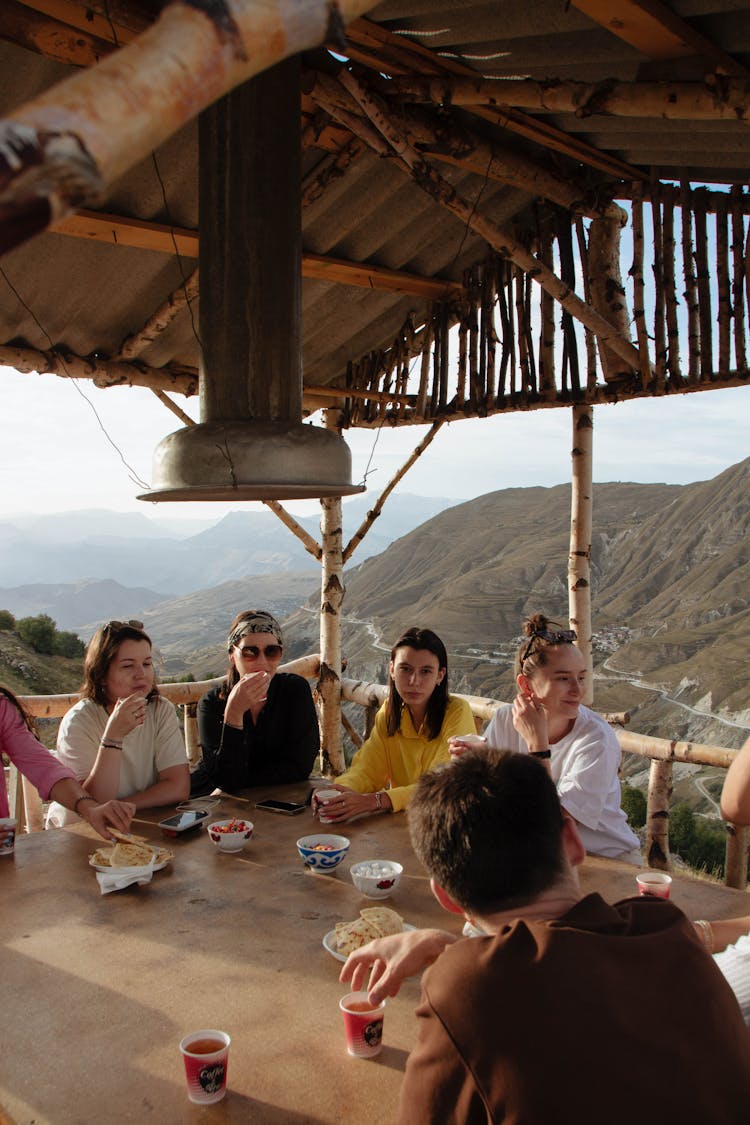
(514, 348)
(661, 751)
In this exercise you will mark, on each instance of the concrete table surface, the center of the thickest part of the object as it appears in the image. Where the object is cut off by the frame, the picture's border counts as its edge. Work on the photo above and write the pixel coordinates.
(97, 990)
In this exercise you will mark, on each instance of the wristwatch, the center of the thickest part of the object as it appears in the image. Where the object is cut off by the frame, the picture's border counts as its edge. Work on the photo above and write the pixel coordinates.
(542, 754)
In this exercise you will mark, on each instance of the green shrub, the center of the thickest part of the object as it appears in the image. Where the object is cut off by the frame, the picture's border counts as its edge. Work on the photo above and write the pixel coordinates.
(634, 806)
(7, 620)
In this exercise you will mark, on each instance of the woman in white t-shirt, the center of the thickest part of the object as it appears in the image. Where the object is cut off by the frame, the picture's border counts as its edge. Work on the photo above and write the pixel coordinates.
(122, 740)
(580, 750)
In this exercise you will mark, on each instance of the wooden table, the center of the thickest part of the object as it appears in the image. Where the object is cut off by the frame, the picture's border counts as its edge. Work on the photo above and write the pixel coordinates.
(97, 990)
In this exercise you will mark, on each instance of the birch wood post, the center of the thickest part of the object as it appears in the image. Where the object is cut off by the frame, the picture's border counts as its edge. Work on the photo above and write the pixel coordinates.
(331, 598)
(579, 557)
(547, 325)
(527, 385)
(735, 856)
(66, 147)
(660, 331)
(657, 815)
(491, 336)
(607, 291)
(462, 353)
(190, 728)
(722, 282)
(474, 390)
(691, 286)
(738, 289)
(670, 295)
(508, 356)
(568, 273)
(704, 287)
(424, 373)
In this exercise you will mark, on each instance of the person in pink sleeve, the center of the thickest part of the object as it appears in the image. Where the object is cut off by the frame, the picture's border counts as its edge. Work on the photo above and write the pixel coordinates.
(53, 780)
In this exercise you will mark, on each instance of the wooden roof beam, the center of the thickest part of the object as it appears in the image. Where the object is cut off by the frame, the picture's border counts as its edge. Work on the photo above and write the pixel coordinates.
(451, 143)
(725, 100)
(378, 49)
(657, 32)
(115, 229)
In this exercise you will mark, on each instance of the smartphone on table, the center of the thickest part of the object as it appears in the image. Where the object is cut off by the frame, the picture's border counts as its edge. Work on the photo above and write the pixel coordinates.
(183, 821)
(286, 808)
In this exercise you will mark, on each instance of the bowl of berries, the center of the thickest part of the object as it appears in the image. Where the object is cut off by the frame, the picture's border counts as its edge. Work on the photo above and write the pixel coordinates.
(322, 852)
(230, 835)
(376, 878)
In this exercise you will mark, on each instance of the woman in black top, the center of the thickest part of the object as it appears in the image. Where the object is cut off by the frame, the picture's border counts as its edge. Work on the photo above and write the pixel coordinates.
(259, 727)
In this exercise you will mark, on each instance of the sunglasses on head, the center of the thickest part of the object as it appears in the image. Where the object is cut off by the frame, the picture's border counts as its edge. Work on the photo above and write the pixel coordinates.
(252, 652)
(115, 626)
(552, 637)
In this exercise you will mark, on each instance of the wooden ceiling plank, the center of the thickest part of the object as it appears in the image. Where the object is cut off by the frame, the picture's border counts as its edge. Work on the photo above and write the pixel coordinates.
(135, 233)
(52, 39)
(84, 17)
(657, 32)
(375, 277)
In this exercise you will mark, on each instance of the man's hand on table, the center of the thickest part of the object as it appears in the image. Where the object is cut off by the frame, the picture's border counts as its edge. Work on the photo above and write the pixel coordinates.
(390, 960)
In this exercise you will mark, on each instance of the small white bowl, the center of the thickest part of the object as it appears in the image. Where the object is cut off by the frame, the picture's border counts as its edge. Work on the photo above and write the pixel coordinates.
(322, 852)
(376, 878)
(233, 841)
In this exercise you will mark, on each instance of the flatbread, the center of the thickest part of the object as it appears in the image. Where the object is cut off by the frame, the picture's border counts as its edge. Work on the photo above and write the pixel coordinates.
(102, 857)
(385, 920)
(131, 855)
(373, 922)
(353, 935)
(125, 837)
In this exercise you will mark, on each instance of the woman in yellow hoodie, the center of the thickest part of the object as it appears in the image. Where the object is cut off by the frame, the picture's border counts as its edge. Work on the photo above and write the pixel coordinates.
(410, 735)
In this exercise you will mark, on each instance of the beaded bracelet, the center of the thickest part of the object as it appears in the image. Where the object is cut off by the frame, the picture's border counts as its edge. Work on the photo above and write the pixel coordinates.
(83, 797)
(110, 744)
(378, 801)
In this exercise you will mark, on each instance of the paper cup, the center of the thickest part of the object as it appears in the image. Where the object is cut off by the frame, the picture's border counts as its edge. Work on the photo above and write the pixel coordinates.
(320, 796)
(205, 1054)
(363, 1024)
(654, 883)
(7, 835)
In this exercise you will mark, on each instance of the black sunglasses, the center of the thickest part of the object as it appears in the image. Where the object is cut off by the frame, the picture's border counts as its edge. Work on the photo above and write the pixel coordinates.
(252, 652)
(552, 637)
(115, 626)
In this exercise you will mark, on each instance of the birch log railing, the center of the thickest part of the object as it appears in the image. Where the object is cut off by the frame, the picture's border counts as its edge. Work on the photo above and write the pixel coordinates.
(662, 752)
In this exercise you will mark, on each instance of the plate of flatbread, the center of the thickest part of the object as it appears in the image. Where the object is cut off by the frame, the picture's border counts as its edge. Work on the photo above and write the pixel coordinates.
(130, 851)
(373, 922)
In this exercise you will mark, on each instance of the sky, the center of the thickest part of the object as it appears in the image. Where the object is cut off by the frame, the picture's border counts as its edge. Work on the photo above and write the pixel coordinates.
(58, 456)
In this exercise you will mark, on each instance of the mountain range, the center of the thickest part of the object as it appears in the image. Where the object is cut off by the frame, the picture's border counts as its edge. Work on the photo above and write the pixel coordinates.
(84, 567)
(670, 586)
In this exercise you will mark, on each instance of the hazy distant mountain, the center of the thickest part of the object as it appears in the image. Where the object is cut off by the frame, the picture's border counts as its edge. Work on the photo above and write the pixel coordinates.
(136, 551)
(73, 604)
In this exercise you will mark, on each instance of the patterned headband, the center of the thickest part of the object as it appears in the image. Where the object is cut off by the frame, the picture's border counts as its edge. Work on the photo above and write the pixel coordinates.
(255, 621)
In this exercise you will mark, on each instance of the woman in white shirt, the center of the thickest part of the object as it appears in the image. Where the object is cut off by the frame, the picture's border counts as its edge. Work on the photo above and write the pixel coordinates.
(580, 750)
(122, 740)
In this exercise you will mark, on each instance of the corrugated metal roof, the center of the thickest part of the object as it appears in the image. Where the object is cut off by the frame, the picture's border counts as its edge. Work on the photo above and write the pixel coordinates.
(88, 296)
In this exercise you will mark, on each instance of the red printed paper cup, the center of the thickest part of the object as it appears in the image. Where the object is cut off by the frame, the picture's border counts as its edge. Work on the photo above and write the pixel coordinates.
(8, 825)
(205, 1054)
(654, 883)
(363, 1023)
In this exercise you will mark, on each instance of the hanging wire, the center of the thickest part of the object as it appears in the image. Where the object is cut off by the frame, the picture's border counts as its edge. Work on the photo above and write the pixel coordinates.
(132, 474)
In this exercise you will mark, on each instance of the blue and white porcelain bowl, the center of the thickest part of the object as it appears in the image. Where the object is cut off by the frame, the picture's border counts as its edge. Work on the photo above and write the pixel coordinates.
(322, 852)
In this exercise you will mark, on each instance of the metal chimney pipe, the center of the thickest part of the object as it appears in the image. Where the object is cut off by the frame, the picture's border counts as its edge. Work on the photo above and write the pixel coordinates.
(251, 443)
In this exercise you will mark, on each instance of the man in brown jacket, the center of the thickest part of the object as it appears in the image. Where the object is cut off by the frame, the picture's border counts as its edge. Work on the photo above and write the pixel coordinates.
(568, 1010)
